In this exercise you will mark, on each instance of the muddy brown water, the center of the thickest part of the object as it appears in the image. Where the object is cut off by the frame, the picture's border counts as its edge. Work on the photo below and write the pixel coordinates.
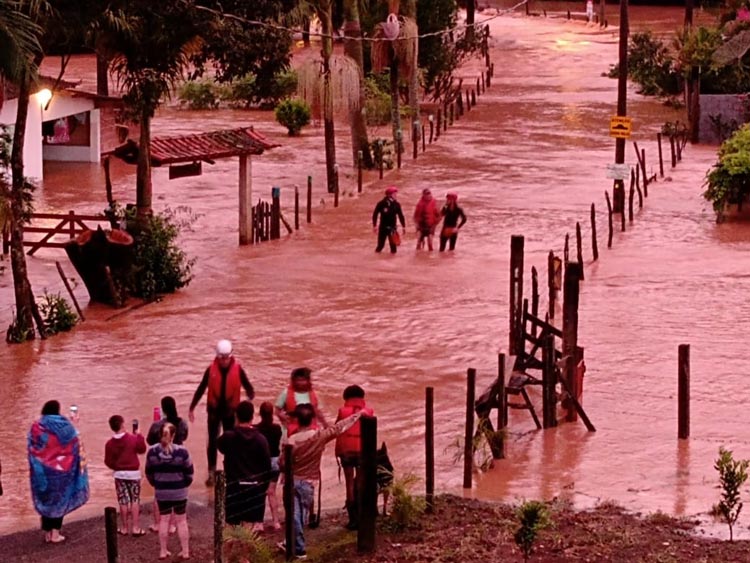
(528, 159)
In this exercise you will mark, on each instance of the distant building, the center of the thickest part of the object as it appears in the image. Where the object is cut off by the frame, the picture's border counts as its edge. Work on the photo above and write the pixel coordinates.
(65, 124)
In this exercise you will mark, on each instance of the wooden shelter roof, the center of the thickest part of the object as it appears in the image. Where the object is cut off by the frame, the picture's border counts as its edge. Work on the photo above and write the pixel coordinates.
(199, 147)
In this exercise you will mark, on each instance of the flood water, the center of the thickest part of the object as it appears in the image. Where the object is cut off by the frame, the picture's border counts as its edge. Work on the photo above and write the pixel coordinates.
(529, 159)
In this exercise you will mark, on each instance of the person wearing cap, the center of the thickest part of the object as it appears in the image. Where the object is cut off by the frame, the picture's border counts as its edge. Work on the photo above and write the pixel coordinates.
(389, 211)
(451, 213)
(426, 217)
(224, 379)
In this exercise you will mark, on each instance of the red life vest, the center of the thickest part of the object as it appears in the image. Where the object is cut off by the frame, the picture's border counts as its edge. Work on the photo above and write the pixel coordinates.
(233, 387)
(292, 425)
(349, 443)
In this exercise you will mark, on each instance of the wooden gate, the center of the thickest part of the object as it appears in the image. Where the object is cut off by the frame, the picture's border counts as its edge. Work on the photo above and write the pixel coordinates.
(68, 224)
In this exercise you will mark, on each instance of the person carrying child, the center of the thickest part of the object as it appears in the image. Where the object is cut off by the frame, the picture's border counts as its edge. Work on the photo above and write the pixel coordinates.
(300, 391)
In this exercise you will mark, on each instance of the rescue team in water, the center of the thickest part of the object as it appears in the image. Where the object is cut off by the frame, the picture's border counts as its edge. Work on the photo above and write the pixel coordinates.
(59, 474)
(426, 219)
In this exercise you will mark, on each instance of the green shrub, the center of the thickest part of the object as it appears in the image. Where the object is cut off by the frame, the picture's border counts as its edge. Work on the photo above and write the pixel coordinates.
(242, 544)
(293, 114)
(533, 517)
(248, 91)
(57, 316)
(283, 85)
(729, 179)
(650, 66)
(242, 91)
(732, 475)
(199, 94)
(382, 149)
(159, 265)
(406, 509)
(377, 101)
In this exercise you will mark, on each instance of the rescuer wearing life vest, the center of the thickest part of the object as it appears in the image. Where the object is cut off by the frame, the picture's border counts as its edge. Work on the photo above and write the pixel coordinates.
(299, 392)
(224, 379)
(349, 447)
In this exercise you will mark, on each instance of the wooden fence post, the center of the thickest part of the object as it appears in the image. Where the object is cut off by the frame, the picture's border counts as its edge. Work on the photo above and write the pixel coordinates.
(296, 207)
(594, 244)
(473, 98)
(468, 101)
(672, 151)
(549, 382)
(220, 494)
(452, 111)
(368, 485)
(335, 185)
(445, 118)
(579, 247)
(309, 199)
(288, 497)
(438, 122)
(399, 148)
(534, 297)
(609, 210)
(516, 293)
(683, 392)
(566, 250)
(275, 213)
(630, 202)
(645, 175)
(415, 140)
(381, 144)
(429, 449)
(551, 284)
(424, 145)
(70, 290)
(661, 160)
(502, 403)
(110, 529)
(571, 290)
(360, 156)
(431, 119)
(471, 376)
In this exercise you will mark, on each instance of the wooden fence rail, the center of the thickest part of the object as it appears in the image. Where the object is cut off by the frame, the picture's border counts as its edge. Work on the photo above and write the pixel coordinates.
(69, 224)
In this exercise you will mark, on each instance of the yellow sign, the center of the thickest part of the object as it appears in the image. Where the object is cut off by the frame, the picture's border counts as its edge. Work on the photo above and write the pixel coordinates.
(620, 127)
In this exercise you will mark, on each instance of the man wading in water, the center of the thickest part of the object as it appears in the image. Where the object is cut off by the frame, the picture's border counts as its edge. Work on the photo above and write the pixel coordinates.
(224, 379)
(388, 209)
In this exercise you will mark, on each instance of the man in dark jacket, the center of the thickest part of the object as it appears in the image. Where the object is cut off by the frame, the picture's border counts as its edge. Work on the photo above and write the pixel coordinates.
(389, 210)
(224, 379)
(247, 464)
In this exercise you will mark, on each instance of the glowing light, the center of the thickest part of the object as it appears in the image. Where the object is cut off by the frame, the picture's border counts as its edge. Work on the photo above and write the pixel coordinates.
(44, 96)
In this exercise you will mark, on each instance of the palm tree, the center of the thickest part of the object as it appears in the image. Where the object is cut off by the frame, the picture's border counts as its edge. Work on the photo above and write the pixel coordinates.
(353, 49)
(19, 63)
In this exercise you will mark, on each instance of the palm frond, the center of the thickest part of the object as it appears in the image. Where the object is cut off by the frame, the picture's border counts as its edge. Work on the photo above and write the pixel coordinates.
(19, 36)
(345, 84)
(733, 50)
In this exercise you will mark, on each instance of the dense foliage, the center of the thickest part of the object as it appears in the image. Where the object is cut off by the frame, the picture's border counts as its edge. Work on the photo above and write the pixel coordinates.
(293, 114)
(729, 179)
(56, 314)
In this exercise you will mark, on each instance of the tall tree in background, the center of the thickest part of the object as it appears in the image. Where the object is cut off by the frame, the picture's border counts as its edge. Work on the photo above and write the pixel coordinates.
(409, 10)
(353, 49)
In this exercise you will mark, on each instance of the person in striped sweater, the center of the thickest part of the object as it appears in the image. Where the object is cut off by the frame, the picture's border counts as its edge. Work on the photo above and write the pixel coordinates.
(169, 469)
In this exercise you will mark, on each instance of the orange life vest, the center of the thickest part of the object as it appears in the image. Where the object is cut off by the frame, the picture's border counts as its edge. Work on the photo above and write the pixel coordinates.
(349, 443)
(291, 403)
(233, 386)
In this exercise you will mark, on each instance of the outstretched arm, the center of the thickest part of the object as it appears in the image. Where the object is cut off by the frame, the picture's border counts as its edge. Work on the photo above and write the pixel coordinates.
(198, 394)
(246, 385)
(463, 218)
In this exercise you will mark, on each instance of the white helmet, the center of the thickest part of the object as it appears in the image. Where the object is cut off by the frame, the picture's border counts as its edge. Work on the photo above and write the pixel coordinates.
(223, 348)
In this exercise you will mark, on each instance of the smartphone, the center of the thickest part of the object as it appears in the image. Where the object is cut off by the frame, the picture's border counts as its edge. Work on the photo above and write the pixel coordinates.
(73, 410)
(135, 425)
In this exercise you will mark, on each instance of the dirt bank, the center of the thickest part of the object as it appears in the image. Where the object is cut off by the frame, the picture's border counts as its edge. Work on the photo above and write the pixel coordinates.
(461, 530)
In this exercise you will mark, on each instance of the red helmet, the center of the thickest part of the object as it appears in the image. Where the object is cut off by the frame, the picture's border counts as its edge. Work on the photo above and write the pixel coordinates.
(391, 190)
(452, 195)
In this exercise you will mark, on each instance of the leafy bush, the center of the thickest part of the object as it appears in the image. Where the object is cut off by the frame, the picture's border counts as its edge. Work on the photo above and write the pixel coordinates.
(242, 91)
(293, 114)
(729, 179)
(382, 149)
(533, 517)
(199, 94)
(406, 509)
(377, 101)
(243, 545)
(284, 85)
(247, 91)
(651, 66)
(17, 335)
(57, 316)
(159, 265)
(732, 475)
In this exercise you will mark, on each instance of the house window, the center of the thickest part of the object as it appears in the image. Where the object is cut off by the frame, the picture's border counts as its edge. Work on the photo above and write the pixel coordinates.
(73, 130)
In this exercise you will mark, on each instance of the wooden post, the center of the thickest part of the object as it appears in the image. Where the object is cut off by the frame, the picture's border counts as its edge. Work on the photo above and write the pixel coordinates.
(571, 289)
(516, 294)
(609, 210)
(579, 247)
(359, 172)
(296, 207)
(380, 158)
(309, 199)
(594, 244)
(622, 209)
(110, 529)
(275, 213)
(661, 161)
(424, 145)
(479, 86)
(246, 199)
(683, 392)
(368, 485)
(566, 250)
(468, 101)
(288, 497)
(630, 202)
(473, 98)
(672, 151)
(488, 77)
(534, 297)
(336, 186)
(445, 118)
(399, 149)
(431, 119)
(549, 382)
(220, 499)
(452, 111)
(471, 376)
(70, 290)
(551, 283)
(415, 140)
(645, 175)
(429, 443)
(502, 400)
(438, 122)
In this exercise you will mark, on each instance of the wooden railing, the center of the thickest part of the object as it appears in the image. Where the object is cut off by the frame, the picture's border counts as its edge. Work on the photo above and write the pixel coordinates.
(69, 224)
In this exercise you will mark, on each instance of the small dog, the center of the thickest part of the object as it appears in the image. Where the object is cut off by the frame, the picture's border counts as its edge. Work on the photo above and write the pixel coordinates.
(385, 475)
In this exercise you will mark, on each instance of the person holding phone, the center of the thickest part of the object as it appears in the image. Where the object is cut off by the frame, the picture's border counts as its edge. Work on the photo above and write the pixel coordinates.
(121, 456)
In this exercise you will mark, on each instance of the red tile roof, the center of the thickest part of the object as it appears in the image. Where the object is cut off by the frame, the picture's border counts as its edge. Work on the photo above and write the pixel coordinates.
(199, 146)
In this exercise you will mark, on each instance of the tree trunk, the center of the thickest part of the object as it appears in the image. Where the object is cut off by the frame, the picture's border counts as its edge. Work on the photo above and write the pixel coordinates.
(353, 49)
(695, 105)
(25, 304)
(143, 186)
(328, 129)
(102, 75)
(470, 9)
(409, 10)
(395, 110)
